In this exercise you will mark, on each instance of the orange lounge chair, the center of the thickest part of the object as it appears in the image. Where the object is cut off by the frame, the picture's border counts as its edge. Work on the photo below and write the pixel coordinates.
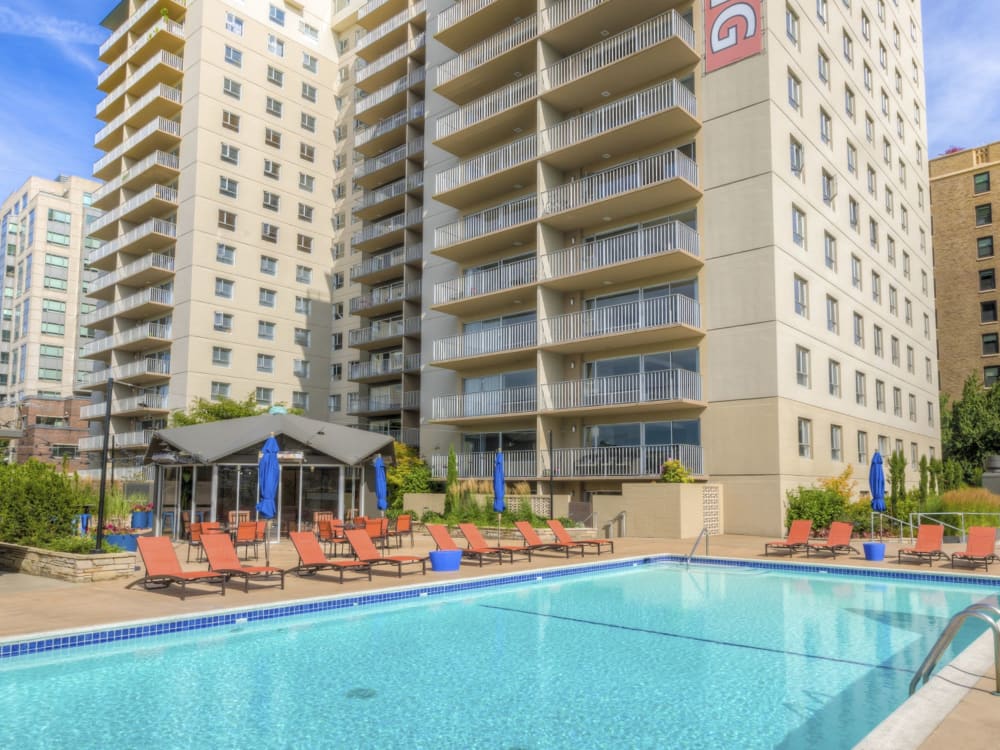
(928, 547)
(475, 540)
(534, 542)
(838, 540)
(563, 536)
(980, 547)
(163, 568)
(403, 527)
(439, 533)
(222, 558)
(364, 550)
(312, 560)
(798, 538)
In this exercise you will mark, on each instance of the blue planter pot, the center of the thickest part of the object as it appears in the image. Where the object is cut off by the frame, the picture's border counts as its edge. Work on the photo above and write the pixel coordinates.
(125, 541)
(443, 560)
(874, 551)
(142, 519)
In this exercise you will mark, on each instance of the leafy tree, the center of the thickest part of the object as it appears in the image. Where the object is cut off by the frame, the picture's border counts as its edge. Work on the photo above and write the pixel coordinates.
(203, 410)
(924, 476)
(451, 493)
(934, 467)
(970, 429)
(842, 484)
(410, 474)
(674, 472)
(897, 481)
(37, 504)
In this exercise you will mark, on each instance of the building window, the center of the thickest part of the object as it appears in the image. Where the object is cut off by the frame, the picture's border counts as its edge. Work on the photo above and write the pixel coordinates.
(990, 344)
(877, 344)
(268, 265)
(805, 438)
(836, 443)
(268, 232)
(880, 395)
(308, 122)
(304, 243)
(860, 388)
(794, 91)
(266, 297)
(869, 129)
(987, 280)
(275, 76)
(303, 274)
(894, 350)
(224, 288)
(336, 371)
(854, 214)
(910, 366)
(221, 356)
(273, 106)
(337, 341)
(825, 127)
(271, 201)
(849, 102)
(303, 337)
(265, 363)
(798, 226)
(856, 272)
(833, 374)
(220, 390)
(912, 401)
(873, 234)
(305, 212)
(310, 62)
(308, 92)
(306, 182)
(223, 322)
(991, 375)
(829, 187)
(859, 330)
(234, 24)
(300, 368)
(981, 183)
(897, 402)
(227, 220)
(802, 366)
(264, 396)
(848, 48)
(801, 297)
(338, 280)
(272, 137)
(272, 169)
(276, 15)
(300, 400)
(229, 153)
(852, 158)
(303, 305)
(232, 88)
(988, 312)
(228, 187)
(231, 121)
(307, 152)
(830, 251)
(275, 45)
(265, 330)
(876, 287)
(334, 402)
(862, 447)
(225, 254)
(984, 214)
(792, 25)
(234, 56)
(984, 247)
(823, 63)
(832, 315)
(796, 161)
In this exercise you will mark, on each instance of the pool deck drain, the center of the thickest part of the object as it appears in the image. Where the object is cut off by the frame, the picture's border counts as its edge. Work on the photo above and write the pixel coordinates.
(34, 605)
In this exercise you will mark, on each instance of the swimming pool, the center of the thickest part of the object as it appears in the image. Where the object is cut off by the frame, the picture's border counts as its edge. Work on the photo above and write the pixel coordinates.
(651, 656)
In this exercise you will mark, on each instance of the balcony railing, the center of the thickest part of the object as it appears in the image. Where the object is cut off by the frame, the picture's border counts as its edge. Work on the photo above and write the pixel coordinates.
(384, 329)
(516, 464)
(459, 12)
(122, 440)
(623, 461)
(389, 58)
(397, 257)
(153, 226)
(632, 108)
(489, 220)
(122, 30)
(560, 12)
(619, 179)
(374, 164)
(640, 243)
(388, 124)
(163, 58)
(492, 341)
(487, 106)
(478, 283)
(672, 309)
(488, 49)
(155, 260)
(385, 295)
(637, 388)
(145, 366)
(164, 24)
(153, 295)
(393, 364)
(160, 91)
(151, 402)
(387, 226)
(406, 435)
(356, 403)
(618, 47)
(159, 124)
(520, 400)
(393, 23)
(370, 7)
(392, 190)
(155, 159)
(140, 332)
(153, 192)
(496, 160)
(387, 92)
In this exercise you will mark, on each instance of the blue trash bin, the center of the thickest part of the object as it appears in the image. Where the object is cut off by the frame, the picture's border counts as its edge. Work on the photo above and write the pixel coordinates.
(874, 551)
(446, 559)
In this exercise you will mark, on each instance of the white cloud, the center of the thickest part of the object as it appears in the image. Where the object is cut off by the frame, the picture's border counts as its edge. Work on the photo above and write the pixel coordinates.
(74, 39)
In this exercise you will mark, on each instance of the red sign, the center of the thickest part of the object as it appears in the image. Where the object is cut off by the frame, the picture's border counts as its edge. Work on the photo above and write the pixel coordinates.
(732, 32)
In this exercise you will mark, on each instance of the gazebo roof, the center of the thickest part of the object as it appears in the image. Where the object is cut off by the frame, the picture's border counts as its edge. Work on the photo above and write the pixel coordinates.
(209, 442)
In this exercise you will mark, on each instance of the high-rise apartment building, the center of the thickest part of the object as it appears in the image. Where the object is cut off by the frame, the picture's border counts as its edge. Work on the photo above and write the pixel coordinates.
(965, 268)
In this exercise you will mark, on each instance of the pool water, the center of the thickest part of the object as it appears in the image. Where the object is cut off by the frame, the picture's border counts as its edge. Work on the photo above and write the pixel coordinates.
(656, 656)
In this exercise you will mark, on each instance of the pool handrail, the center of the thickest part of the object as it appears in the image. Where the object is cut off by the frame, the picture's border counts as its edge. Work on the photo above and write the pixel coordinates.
(963, 530)
(702, 533)
(980, 611)
(883, 515)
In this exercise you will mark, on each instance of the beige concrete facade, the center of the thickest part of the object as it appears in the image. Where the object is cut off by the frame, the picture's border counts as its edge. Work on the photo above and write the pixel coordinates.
(965, 266)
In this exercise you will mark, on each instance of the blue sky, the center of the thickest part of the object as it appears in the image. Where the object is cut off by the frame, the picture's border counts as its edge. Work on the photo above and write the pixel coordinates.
(48, 62)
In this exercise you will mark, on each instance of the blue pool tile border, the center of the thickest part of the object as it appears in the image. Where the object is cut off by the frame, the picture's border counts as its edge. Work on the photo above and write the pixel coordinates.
(12, 648)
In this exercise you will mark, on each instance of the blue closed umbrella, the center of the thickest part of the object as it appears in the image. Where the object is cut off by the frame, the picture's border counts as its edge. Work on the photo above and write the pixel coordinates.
(498, 490)
(876, 483)
(268, 476)
(381, 486)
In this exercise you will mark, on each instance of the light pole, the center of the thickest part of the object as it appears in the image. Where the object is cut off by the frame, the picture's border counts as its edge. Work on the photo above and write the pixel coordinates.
(104, 466)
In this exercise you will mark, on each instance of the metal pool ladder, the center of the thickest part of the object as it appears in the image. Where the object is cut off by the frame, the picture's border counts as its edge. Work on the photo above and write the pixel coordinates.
(703, 533)
(986, 612)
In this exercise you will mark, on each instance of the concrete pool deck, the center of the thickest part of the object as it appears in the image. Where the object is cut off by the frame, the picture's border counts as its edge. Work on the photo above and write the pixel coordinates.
(33, 605)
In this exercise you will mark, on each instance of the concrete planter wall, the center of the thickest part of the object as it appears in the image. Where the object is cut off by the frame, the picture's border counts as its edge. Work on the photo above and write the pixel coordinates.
(66, 566)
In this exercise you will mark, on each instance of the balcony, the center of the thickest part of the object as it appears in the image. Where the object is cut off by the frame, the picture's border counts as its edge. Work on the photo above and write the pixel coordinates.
(466, 22)
(671, 247)
(623, 394)
(387, 265)
(376, 12)
(168, 35)
(470, 181)
(154, 234)
(492, 289)
(489, 119)
(389, 98)
(405, 435)
(390, 33)
(491, 229)
(127, 407)
(158, 167)
(147, 12)
(490, 63)
(164, 67)
(634, 187)
(153, 201)
(144, 371)
(656, 320)
(385, 299)
(507, 402)
(391, 65)
(161, 100)
(139, 439)
(383, 333)
(631, 461)
(388, 166)
(388, 198)
(151, 269)
(628, 59)
(373, 140)
(630, 124)
(143, 337)
(374, 406)
(565, 23)
(383, 367)
(148, 303)
(160, 134)
(490, 348)
(387, 232)
(516, 464)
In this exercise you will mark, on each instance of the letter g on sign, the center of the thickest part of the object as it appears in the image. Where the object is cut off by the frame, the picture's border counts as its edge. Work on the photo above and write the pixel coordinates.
(732, 29)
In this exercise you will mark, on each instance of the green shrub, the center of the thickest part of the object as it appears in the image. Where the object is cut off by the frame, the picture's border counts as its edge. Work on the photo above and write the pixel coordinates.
(819, 505)
(37, 503)
(674, 472)
(80, 545)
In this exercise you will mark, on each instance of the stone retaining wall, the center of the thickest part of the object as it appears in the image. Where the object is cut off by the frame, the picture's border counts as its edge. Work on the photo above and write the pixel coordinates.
(67, 566)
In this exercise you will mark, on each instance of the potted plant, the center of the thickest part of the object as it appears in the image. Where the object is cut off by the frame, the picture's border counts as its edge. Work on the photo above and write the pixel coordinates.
(142, 515)
(120, 536)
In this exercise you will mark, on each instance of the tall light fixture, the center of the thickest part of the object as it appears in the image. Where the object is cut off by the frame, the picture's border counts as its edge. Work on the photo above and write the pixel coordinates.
(104, 465)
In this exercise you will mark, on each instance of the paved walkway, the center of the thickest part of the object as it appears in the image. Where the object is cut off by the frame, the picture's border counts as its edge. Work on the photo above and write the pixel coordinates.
(32, 604)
